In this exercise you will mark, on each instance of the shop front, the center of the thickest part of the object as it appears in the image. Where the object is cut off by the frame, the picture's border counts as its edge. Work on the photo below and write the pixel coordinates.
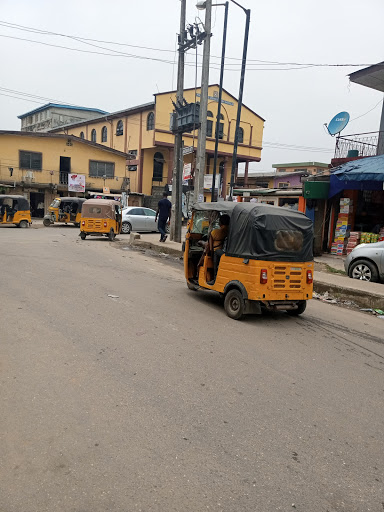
(356, 198)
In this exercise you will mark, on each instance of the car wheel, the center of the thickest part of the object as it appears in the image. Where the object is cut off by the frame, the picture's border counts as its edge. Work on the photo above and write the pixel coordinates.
(364, 270)
(46, 222)
(301, 307)
(23, 224)
(126, 228)
(234, 304)
(192, 286)
(82, 235)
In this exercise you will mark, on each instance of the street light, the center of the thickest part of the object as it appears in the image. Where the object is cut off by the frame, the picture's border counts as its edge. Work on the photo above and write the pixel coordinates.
(240, 100)
(201, 6)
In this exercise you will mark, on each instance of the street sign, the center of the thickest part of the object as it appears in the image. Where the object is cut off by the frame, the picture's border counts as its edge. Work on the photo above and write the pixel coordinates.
(187, 150)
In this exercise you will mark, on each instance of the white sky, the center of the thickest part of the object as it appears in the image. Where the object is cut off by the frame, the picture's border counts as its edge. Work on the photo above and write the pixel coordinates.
(295, 103)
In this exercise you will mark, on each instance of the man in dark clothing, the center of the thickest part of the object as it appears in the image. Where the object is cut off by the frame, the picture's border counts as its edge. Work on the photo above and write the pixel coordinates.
(163, 214)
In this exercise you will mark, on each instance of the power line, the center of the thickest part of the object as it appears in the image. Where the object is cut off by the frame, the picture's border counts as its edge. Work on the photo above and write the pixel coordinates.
(85, 41)
(362, 115)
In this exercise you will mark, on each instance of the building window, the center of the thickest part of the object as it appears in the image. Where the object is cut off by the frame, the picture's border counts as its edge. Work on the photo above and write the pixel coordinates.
(282, 170)
(30, 160)
(81, 135)
(240, 135)
(209, 113)
(93, 135)
(209, 128)
(151, 121)
(158, 163)
(120, 128)
(301, 170)
(101, 169)
(104, 134)
(133, 167)
(221, 131)
(221, 117)
(283, 184)
(30, 119)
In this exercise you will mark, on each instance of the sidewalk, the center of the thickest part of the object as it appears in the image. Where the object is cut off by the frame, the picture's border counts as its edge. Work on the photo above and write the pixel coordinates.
(364, 294)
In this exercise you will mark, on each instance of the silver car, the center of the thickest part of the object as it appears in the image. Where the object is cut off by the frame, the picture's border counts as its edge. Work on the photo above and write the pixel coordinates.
(138, 219)
(366, 262)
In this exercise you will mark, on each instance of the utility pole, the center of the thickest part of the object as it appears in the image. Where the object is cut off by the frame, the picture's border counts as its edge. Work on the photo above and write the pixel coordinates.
(178, 155)
(201, 141)
(213, 193)
(240, 101)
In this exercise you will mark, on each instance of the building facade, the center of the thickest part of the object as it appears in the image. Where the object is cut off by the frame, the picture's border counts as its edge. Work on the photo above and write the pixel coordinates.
(145, 131)
(311, 168)
(37, 165)
(53, 115)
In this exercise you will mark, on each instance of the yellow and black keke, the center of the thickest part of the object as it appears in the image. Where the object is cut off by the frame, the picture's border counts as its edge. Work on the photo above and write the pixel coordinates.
(15, 210)
(100, 217)
(64, 209)
(266, 261)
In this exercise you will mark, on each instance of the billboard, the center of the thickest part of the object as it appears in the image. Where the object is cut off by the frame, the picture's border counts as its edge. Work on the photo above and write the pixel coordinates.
(76, 182)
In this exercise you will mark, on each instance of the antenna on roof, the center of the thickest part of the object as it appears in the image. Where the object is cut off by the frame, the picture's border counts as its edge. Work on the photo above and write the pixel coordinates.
(338, 123)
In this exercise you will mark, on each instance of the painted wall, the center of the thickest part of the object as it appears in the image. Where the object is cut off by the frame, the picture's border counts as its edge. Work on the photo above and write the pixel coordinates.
(52, 149)
(309, 169)
(252, 125)
(293, 181)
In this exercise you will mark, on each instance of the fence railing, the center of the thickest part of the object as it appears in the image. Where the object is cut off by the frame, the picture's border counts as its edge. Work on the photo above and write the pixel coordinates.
(359, 145)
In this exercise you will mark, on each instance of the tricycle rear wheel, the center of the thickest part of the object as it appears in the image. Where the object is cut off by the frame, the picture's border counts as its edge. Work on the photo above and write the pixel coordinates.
(301, 306)
(234, 304)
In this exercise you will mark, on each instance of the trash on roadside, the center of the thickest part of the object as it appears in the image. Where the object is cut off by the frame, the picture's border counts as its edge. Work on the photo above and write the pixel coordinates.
(368, 310)
(328, 299)
(379, 311)
(113, 296)
(381, 316)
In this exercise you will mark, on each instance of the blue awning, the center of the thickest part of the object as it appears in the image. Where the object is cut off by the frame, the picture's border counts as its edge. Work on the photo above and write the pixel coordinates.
(363, 174)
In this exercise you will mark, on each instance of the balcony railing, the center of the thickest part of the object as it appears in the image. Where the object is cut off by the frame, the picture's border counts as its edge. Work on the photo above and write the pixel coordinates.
(359, 145)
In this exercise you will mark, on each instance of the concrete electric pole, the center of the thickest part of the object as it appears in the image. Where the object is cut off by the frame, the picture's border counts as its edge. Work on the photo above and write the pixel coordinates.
(178, 150)
(201, 141)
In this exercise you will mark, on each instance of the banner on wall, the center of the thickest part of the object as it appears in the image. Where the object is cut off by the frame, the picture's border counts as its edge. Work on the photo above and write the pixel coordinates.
(76, 182)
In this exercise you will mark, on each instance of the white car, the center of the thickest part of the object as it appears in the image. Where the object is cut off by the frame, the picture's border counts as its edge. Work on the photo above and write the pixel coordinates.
(138, 219)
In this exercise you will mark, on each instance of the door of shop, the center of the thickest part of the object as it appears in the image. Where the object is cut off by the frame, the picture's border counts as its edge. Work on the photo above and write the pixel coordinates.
(36, 200)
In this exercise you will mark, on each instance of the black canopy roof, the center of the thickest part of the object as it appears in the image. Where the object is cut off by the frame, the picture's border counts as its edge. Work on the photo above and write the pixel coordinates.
(261, 231)
(23, 203)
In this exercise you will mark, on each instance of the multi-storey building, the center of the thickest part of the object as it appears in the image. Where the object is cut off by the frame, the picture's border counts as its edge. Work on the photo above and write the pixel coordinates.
(52, 115)
(144, 130)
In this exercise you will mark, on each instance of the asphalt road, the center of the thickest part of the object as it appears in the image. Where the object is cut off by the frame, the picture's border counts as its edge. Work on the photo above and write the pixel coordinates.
(157, 401)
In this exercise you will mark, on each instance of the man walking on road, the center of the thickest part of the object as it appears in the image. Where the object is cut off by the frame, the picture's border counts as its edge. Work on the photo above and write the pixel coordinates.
(163, 214)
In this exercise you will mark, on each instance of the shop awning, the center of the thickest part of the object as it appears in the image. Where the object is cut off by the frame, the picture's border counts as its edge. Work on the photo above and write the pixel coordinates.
(363, 174)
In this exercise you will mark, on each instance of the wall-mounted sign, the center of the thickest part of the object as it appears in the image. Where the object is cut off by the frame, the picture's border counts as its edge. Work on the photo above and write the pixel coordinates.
(214, 98)
(76, 182)
(106, 190)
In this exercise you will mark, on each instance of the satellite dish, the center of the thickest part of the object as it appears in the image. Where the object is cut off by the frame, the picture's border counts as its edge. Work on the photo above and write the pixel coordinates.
(338, 123)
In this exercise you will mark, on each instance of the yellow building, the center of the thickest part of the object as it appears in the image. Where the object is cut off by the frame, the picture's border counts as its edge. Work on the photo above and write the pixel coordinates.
(145, 131)
(311, 168)
(37, 166)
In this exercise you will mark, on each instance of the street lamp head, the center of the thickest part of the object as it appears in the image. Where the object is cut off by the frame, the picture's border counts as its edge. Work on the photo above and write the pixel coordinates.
(201, 5)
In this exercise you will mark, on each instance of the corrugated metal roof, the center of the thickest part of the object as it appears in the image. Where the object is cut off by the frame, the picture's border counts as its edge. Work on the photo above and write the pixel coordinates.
(364, 169)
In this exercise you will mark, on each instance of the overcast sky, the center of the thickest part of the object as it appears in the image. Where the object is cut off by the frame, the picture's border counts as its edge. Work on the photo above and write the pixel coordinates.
(295, 102)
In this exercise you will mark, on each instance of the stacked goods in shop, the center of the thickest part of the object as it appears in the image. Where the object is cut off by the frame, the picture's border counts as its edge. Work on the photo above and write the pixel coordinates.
(343, 227)
(353, 240)
(381, 235)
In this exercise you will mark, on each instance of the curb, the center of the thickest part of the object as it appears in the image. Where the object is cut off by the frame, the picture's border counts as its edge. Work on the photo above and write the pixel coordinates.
(361, 298)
